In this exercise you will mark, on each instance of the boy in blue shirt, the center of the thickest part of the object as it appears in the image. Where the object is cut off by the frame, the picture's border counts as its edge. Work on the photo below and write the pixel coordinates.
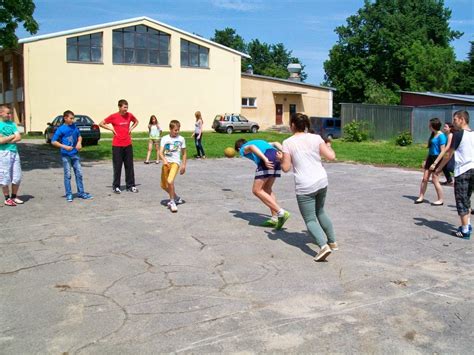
(267, 157)
(68, 138)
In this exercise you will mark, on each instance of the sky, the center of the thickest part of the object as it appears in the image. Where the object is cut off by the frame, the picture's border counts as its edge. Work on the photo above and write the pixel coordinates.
(306, 27)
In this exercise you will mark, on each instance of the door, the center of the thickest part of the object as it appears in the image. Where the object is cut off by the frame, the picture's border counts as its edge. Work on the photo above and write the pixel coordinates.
(292, 109)
(279, 114)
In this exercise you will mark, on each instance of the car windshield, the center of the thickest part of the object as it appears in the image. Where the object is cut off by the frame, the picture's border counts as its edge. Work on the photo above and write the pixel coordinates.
(83, 120)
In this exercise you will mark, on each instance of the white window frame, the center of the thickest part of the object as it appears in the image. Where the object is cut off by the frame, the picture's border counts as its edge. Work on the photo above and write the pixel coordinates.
(248, 102)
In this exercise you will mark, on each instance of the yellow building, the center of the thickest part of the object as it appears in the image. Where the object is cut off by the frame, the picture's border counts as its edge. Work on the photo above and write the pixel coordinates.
(159, 69)
(271, 101)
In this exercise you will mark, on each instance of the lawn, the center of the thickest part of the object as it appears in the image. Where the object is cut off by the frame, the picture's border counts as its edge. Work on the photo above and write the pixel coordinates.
(377, 153)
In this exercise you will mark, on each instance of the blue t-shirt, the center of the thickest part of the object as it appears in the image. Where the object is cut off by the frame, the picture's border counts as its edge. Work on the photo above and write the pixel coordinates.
(67, 135)
(262, 145)
(436, 143)
(7, 128)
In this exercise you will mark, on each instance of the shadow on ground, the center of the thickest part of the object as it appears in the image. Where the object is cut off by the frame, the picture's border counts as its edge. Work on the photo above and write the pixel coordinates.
(295, 239)
(440, 226)
(254, 219)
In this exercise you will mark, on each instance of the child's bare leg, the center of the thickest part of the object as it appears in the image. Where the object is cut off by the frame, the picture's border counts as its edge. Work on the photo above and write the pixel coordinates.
(267, 187)
(438, 188)
(424, 184)
(150, 148)
(157, 147)
(6, 190)
(266, 198)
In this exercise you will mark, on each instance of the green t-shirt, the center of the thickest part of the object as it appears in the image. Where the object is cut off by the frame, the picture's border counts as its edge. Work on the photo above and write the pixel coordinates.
(7, 128)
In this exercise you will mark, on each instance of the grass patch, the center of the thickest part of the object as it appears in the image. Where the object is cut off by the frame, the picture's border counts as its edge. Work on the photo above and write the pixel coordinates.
(381, 153)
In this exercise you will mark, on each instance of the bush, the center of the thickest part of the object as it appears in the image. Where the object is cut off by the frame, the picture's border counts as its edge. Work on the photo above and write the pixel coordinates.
(356, 131)
(404, 139)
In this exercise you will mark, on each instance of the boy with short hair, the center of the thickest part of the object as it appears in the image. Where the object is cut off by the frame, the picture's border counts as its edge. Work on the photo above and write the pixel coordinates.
(10, 167)
(68, 138)
(267, 157)
(462, 146)
(122, 149)
(173, 155)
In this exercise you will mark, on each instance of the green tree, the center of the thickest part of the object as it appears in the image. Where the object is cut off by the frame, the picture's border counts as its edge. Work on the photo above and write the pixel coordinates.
(266, 59)
(464, 81)
(13, 12)
(228, 37)
(392, 45)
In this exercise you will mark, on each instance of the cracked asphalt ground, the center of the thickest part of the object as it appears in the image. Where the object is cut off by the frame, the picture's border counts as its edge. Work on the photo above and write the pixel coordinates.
(121, 274)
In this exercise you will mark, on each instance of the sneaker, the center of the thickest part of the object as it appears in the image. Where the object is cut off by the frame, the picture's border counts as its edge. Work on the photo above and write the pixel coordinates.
(18, 201)
(333, 246)
(85, 196)
(282, 220)
(447, 183)
(132, 189)
(157, 162)
(146, 162)
(459, 233)
(10, 202)
(323, 253)
(172, 206)
(117, 190)
(269, 223)
(69, 198)
(178, 200)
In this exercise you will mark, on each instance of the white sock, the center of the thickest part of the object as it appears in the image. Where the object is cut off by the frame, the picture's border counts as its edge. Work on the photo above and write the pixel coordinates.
(465, 228)
(274, 218)
(281, 212)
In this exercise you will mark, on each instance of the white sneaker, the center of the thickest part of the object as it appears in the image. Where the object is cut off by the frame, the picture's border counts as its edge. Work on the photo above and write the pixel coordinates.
(323, 253)
(172, 206)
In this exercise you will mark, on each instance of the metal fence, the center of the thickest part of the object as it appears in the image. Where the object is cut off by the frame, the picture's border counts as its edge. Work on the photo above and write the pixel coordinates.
(387, 121)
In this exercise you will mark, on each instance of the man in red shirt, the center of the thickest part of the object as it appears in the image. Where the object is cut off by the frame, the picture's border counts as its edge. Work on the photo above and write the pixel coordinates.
(122, 150)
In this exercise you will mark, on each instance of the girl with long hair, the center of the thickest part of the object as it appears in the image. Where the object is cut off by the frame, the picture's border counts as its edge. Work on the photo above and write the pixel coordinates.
(198, 135)
(154, 133)
(436, 145)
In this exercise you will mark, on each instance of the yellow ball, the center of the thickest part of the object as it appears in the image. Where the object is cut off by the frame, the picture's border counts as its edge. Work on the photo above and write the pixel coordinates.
(229, 152)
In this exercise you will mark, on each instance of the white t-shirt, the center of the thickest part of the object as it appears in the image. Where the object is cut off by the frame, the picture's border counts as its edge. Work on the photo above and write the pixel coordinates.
(310, 176)
(172, 148)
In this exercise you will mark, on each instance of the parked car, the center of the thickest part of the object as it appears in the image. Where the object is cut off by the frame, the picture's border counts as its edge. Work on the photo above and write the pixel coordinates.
(231, 122)
(90, 132)
(326, 127)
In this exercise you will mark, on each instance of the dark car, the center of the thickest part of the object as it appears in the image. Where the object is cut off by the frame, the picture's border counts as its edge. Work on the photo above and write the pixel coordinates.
(231, 122)
(326, 127)
(90, 132)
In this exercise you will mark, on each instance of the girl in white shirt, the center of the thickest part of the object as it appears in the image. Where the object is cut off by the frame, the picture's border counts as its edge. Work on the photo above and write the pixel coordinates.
(303, 151)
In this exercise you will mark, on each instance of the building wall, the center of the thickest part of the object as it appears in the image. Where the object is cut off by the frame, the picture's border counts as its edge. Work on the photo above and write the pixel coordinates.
(53, 85)
(313, 101)
(409, 99)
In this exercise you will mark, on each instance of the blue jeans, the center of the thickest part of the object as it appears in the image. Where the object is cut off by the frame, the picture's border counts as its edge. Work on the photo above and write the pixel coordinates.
(75, 162)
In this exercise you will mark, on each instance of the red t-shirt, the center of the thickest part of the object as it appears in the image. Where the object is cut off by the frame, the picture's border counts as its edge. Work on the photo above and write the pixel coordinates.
(121, 125)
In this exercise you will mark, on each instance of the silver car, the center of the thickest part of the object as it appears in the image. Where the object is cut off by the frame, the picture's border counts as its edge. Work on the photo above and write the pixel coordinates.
(231, 122)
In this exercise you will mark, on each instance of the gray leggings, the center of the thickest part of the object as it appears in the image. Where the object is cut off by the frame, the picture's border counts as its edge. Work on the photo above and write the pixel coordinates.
(317, 221)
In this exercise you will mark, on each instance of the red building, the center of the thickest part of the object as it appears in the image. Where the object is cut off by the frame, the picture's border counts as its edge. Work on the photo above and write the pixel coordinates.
(409, 98)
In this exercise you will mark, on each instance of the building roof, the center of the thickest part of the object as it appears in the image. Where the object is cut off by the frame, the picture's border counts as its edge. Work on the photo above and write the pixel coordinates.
(287, 81)
(124, 22)
(467, 98)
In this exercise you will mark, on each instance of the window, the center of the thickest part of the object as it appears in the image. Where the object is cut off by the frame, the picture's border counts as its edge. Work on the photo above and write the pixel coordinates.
(87, 48)
(193, 55)
(141, 45)
(249, 102)
(330, 123)
(338, 123)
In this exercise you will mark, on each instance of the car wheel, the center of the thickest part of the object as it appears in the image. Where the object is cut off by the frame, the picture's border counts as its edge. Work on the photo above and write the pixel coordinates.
(330, 137)
(254, 129)
(47, 139)
(229, 130)
(95, 142)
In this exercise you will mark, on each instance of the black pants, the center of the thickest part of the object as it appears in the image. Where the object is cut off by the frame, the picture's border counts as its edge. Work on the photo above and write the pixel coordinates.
(123, 155)
(448, 169)
(199, 148)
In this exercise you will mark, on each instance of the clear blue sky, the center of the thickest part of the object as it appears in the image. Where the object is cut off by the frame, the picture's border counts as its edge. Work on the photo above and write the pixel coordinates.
(304, 26)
